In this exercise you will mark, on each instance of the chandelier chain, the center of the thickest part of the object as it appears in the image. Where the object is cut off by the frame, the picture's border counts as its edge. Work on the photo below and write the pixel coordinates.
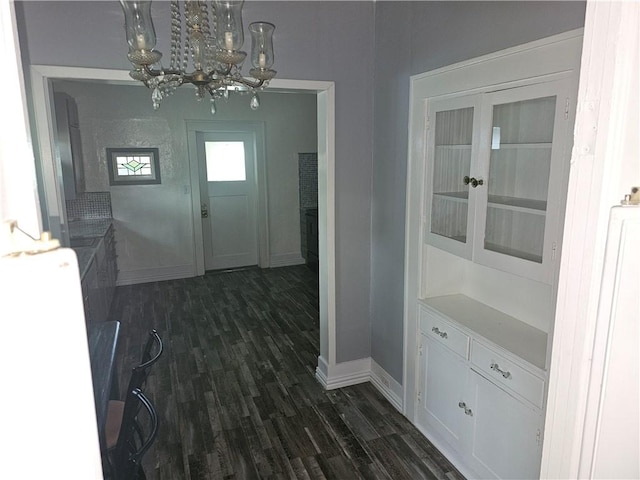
(176, 35)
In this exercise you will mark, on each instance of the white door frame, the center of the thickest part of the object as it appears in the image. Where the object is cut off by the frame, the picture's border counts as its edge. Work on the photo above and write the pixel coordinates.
(604, 167)
(325, 92)
(223, 126)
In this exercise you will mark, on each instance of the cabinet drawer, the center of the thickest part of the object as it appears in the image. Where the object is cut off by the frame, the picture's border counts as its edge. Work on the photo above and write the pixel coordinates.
(442, 331)
(506, 373)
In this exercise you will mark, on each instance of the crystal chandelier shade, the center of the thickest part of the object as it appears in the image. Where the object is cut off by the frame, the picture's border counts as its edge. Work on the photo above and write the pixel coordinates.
(206, 42)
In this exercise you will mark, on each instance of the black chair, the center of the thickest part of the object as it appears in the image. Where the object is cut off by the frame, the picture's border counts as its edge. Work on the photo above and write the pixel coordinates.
(117, 409)
(140, 373)
(137, 434)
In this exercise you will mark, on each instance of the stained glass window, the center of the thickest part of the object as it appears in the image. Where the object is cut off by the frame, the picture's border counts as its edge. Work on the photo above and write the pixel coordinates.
(133, 166)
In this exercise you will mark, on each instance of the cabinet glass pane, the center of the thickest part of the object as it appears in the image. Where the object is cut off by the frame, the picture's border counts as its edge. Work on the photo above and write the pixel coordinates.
(451, 163)
(522, 135)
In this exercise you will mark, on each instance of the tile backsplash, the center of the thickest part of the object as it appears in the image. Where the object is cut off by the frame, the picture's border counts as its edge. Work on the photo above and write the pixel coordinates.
(308, 178)
(90, 205)
(308, 192)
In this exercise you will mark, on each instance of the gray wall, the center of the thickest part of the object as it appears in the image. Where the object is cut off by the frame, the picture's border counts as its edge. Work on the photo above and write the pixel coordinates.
(436, 34)
(313, 40)
(335, 41)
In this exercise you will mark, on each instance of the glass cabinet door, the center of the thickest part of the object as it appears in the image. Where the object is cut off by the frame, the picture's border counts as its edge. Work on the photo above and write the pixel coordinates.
(523, 168)
(520, 158)
(451, 146)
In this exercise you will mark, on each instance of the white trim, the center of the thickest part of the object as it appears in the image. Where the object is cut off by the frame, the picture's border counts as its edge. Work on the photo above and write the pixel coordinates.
(602, 170)
(41, 74)
(159, 274)
(343, 374)
(547, 59)
(346, 374)
(322, 371)
(286, 85)
(285, 259)
(327, 221)
(257, 129)
(50, 163)
(18, 190)
(386, 385)
(561, 38)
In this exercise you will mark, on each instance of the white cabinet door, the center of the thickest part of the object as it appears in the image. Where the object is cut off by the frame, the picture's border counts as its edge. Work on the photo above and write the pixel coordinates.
(505, 438)
(452, 153)
(524, 165)
(442, 383)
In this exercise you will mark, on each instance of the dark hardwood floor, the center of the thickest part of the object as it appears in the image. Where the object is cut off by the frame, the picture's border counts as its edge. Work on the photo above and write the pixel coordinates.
(235, 388)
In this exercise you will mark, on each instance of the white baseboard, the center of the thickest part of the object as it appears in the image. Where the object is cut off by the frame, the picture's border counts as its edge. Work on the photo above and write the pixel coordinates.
(387, 385)
(158, 274)
(359, 371)
(343, 374)
(285, 260)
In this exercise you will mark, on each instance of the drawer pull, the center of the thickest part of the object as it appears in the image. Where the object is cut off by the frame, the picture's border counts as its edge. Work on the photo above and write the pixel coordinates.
(467, 410)
(437, 331)
(496, 368)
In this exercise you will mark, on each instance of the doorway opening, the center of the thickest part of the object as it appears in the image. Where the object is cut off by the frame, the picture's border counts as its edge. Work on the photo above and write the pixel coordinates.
(41, 77)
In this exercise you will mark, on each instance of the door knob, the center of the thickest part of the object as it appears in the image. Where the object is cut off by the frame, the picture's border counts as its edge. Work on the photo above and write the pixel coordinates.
(204, 212)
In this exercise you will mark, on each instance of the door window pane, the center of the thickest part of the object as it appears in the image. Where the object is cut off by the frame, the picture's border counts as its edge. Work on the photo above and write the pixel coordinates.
(225, 161)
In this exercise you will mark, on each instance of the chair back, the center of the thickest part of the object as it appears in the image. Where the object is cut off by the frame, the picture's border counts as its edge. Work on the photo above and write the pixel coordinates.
(150, 355)
(137, 434)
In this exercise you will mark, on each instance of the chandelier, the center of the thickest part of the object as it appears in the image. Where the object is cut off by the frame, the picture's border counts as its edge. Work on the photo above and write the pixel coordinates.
(206, 42)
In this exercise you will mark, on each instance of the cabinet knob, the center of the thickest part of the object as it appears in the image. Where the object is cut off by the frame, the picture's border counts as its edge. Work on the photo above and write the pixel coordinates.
(467, 410)
(473, 181)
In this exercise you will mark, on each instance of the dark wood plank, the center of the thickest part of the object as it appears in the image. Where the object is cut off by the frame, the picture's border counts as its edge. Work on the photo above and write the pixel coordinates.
(236, 392)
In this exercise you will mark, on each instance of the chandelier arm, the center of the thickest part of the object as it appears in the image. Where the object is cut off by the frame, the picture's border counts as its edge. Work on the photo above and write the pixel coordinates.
(212, 87)
(227, 69)
(155, 73)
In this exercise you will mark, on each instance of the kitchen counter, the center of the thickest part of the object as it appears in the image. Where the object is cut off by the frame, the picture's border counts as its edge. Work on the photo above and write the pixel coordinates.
(93, 228)
(93, 241)
(85, 236)
(85, 256)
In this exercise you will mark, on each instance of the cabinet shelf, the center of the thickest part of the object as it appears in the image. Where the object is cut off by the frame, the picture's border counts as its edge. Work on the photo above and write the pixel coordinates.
(513, 252)
(526, 205)
(461, 146)
(514, 146)
(453, 196)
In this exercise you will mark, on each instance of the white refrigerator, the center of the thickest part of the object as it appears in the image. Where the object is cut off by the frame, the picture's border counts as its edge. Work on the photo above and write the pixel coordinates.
(47, 420)
(612, 428)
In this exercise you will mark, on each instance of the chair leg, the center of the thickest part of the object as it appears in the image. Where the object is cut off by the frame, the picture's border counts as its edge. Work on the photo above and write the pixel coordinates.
(140, 475)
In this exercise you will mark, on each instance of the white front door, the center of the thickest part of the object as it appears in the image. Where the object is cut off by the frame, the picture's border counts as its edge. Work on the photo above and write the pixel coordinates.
(228, 196)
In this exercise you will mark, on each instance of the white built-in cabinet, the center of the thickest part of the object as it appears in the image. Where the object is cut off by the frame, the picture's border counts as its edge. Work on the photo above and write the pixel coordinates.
(495, 176)
(480, 403)
(489, 148)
